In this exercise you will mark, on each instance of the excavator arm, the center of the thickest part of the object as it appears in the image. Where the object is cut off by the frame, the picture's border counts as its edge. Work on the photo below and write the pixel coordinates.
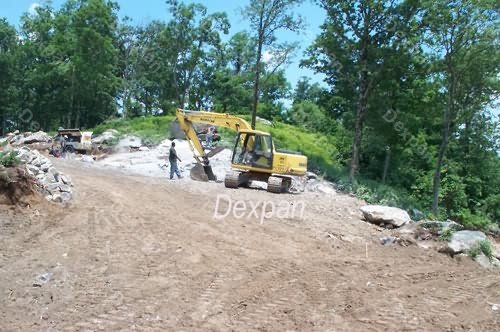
(187, 118)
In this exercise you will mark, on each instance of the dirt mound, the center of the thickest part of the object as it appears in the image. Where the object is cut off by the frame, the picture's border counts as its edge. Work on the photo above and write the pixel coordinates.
(17, 187)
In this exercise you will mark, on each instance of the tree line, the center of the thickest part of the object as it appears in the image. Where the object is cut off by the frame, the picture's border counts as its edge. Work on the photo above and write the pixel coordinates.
(410, 86)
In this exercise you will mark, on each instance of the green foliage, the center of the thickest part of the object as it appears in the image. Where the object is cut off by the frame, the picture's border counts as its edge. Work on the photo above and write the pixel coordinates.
(483, 246)
(472, 220)
(9, 159)
(446, 235)
(492, 207)
(152, 130)
(308, 115)
(322, 151)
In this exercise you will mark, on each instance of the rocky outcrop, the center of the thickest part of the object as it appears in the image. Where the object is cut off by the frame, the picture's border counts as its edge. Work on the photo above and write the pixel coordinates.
(54, 185)
(379, 214)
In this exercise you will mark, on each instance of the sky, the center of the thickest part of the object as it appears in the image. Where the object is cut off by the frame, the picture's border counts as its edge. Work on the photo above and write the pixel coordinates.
(145, 11)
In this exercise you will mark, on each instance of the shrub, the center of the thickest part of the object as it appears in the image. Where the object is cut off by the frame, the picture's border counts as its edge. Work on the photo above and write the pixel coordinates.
(9, 159)
(473, 221)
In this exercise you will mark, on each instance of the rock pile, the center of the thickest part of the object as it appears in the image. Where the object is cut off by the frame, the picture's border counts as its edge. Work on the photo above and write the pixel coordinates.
(55, 186)
(16, 138)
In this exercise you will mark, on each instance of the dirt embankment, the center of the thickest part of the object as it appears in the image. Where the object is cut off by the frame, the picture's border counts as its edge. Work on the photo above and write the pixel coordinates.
(138, 253)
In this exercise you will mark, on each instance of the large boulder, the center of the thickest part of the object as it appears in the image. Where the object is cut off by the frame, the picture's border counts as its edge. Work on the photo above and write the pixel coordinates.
(463, 241)
(379, 214)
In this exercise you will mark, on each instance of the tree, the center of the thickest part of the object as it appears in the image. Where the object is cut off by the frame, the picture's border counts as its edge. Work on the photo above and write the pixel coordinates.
(266, 18)
(352, 52)
(125, 43)
(9, 74)
(186, 42)
(462, 37)
(305, 91)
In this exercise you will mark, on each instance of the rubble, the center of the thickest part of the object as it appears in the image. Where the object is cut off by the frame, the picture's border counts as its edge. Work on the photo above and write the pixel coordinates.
(16, 138)
(54, 185)
(38, 137)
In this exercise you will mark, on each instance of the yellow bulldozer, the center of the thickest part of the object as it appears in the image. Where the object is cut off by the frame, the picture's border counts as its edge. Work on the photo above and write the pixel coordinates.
(254, 156)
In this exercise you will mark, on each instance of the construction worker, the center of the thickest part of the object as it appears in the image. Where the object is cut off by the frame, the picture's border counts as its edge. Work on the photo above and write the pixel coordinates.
(172, 158)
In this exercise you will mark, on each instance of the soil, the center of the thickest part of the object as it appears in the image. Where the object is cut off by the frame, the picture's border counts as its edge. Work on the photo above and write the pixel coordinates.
(16, 187)
(146, 254)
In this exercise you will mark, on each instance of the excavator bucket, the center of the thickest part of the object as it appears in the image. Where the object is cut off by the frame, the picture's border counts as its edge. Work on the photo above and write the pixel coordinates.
(201, 172)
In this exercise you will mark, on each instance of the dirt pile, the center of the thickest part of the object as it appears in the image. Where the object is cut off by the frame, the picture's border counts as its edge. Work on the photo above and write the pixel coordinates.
(16, 186)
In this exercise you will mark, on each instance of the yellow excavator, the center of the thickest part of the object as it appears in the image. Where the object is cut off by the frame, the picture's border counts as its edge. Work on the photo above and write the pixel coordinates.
(254, 156)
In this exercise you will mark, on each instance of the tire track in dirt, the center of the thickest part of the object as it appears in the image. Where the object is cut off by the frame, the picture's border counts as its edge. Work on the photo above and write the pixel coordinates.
(146, 254)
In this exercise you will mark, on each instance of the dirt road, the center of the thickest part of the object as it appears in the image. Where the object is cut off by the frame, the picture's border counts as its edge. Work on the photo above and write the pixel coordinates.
(147, 254)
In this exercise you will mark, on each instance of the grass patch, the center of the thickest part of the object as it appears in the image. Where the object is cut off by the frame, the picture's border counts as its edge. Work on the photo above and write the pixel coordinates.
(483, 246)
(152, 130)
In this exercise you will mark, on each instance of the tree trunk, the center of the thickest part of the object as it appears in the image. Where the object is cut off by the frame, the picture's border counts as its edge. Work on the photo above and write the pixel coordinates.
(445, 136)
(358, 129)
(386, 164)
(257, 73)
(2, 129)
(361, 108)
(437, 174)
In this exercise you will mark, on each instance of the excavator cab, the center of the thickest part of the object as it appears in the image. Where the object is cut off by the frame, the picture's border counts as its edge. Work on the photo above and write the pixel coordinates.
(253, 149)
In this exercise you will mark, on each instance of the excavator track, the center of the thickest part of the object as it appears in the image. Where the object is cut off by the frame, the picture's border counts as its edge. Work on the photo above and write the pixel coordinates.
(232, 180)
(278, 185)
(275, 184)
